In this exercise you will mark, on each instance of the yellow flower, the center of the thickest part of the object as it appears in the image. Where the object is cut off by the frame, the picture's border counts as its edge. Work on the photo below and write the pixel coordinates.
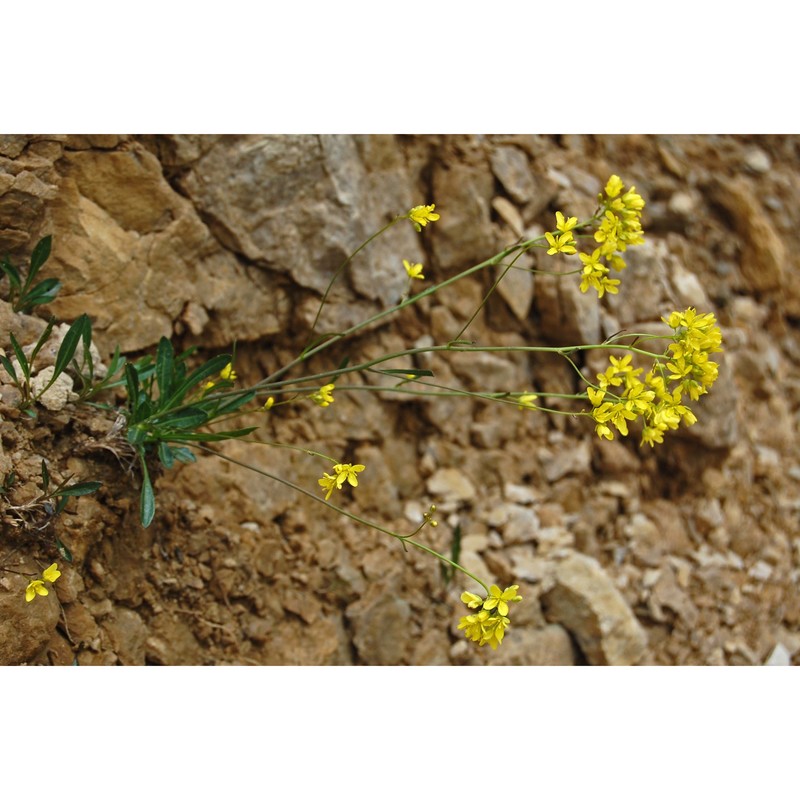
(208, 386)
(565, 225)
(420, 216)
(328, 482)
(500, 600)
(614, 186)
(227, 374)
(34, 588)
(51, 575)
(563, 244)
(324, 396)
(471, 600)
(413, 270)
(488, 625)
(527, 401)
(343, 473)
(472, 625)
(347, 472)
(493, 631)
(270, 402)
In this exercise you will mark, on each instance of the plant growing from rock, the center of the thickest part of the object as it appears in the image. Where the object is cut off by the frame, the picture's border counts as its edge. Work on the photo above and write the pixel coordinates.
(171, 410)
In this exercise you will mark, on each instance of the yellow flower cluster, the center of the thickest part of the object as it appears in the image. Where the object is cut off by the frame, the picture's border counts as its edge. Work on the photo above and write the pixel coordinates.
(660, 407)
(51, 575)
(324, 396)
(420, 216)
(343, 473)
(620, 227)
(488, 626)
(696, 336)
(227, 373)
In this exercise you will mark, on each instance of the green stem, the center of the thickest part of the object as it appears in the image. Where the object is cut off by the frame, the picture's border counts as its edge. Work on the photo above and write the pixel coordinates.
(342, 267)
(348, 514)
(460, 348)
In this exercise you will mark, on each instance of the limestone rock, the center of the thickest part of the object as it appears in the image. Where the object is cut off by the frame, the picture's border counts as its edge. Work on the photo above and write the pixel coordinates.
(450, 484)
(301, 204)
(764, 257)
(779, 657)
(464, 234)
(512, 168)
(128, 635)
(517, 287)
(57, 395)
(574, 460)
(567, 314)
(645, 293)
(535, 647)
(585, 601)
(381, 627)
(28, 182)
(486, 372)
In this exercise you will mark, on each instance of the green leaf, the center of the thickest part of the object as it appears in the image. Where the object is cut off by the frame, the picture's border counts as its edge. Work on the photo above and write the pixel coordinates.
(184, 455)
(43, 339)
(45, 476)
(9, 367)
(44, 292)
(23, 362)
(12, 273)
(132, 383)
(190, 417)
(235, 403)
(166, 455)
(137, 434)
(209, 437)
(64, 551)
(70, 344)
(78, 489)
(61, 505)
(116, 363)
(147, 500)
(165, 358)
(211, 367)
(39, 256)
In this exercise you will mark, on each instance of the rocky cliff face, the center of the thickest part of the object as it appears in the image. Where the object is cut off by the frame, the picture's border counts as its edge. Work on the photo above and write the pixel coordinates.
(685, 554)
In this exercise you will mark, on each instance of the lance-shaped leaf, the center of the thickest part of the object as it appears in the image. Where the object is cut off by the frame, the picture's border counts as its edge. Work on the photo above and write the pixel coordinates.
(70, 344)
(147, 499)
(209, 437)
(165, 367)
(78, 489)
(39, 256)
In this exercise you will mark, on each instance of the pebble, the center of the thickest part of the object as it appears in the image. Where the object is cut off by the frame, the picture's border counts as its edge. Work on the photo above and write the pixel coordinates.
(761, 571)
(757, 160)
(779, 657)
(450, 484)
(682, 204)
(523, 495)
